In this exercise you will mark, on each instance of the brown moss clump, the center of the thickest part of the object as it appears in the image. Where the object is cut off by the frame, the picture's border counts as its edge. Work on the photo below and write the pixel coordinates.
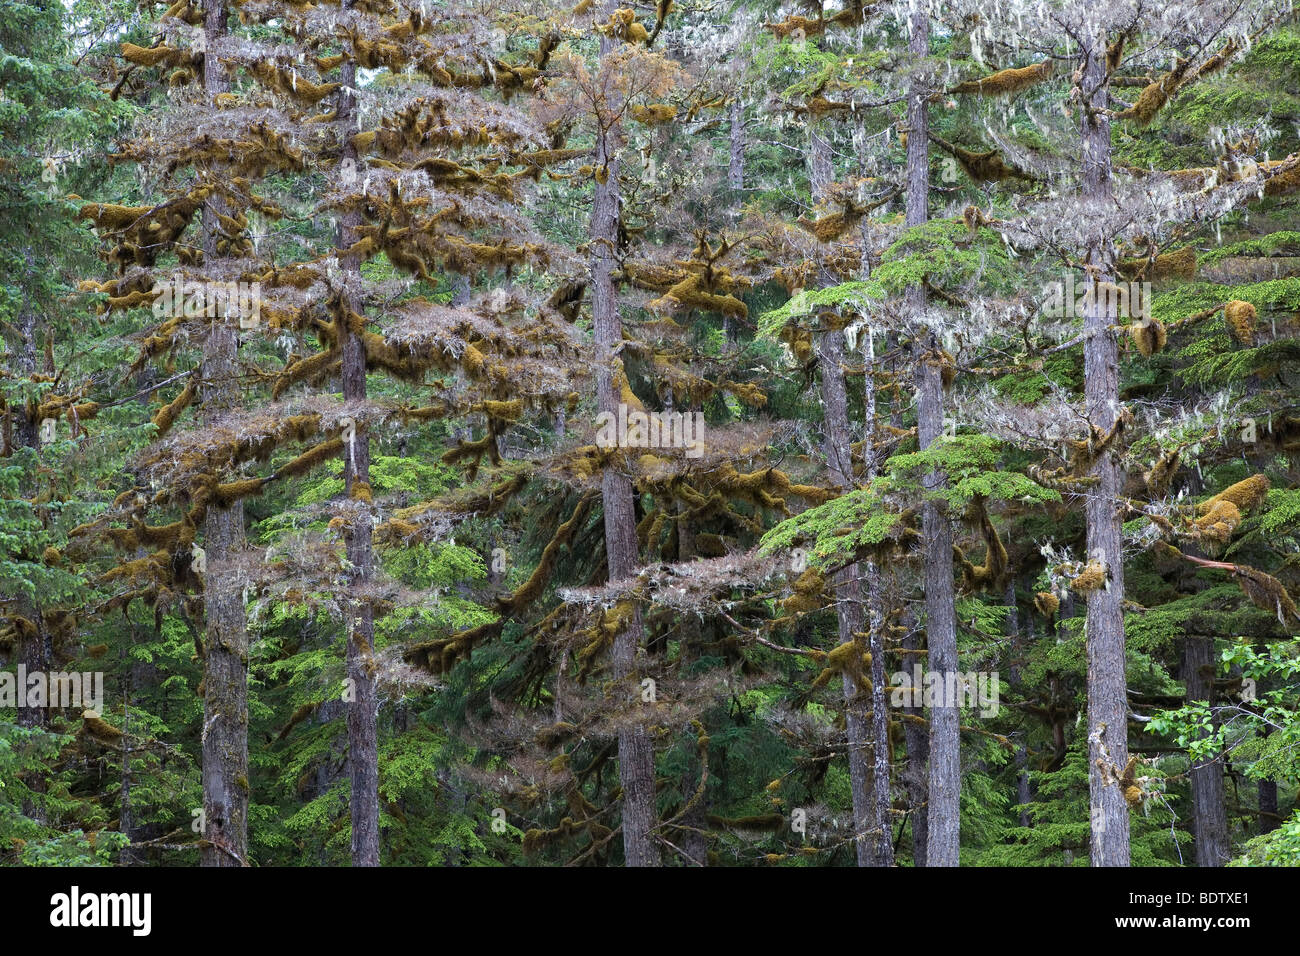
(1217, 525)
(1047, 603)
(317, 455)
(1091, 578)
(504, 411)
(1149, 336)
(610, 624)
(305, 369)
(1007, 82)
(800, 341)
(531, 589)
(747, 393)
(1266, 593)
(231, 491)
(1155, 96)
(622, 25)
(830, 227)
(693, 293)
(946, 364)
(1128, 783)
(653, 114)
(809, 591)
(108, 217)
(1180, 264)
(796, 26)
(1244, 495)
(1240, 316)
(153, 56)
(154, 567)
(847, 658)
(993, 570)
(982, 167)
(100, 729)
(1159, 475)
(165, 417)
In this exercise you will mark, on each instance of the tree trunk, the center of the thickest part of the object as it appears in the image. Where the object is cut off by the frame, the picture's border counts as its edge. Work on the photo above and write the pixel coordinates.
(35, 650)
(1269, 820)
(1023, 792)
(736, 160)
(848, 586)
(941, 633)
(636, 756)
(1209, 812)
(1107, 702)
(363, 708)
(225, 676)
(917, 738)
(944, 798)
(848, 597)
(881, 746)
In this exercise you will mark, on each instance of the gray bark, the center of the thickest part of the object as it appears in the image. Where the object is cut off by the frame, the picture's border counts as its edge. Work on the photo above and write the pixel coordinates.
(363, 710)
(881, 746)
(944, 797)
(225, 677)
(1209, 811)
(1023, 792)
(1107, 701)
(736, 159)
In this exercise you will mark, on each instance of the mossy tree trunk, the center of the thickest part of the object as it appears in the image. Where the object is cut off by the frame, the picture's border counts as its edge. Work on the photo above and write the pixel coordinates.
(848, 585)
(363, 705)
(225, 676)
(1107, 701)
(636, 755)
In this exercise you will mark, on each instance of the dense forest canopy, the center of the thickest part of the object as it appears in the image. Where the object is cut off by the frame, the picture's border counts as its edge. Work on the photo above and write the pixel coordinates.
(684, 433)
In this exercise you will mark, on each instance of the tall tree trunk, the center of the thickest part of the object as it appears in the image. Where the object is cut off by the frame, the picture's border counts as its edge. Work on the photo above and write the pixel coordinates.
(1107, 701)
(34, 651)
(944, 799)
(1023, 792)
(125, 818)
(881, 746)
(848, 596)
(636, 755)
(225, 676)
(363, 708)
(736, 158)
(1209, 812)
(848, 585)
(916, 735)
